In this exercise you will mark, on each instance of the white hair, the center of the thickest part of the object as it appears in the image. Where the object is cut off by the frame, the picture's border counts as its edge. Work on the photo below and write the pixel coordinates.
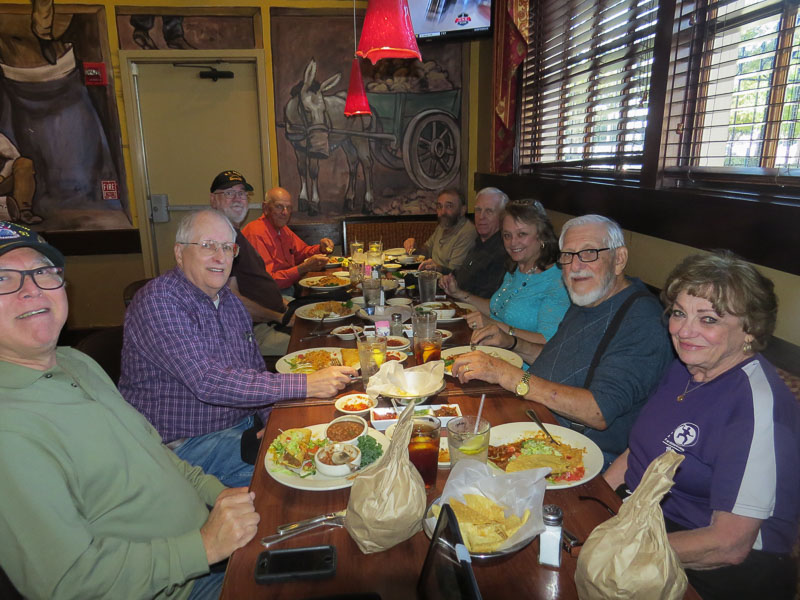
(614, 237)
(499, 193)
(186, 225)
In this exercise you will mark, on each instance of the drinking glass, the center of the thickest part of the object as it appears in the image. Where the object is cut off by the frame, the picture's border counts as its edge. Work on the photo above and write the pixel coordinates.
(427, 285)
(465, 441)
(423, 448)
(372, 291)
(428, 348)
(356, 248)
(356, 272)
(423, 323)
(375, 258)
(371, 354)
(376, 247)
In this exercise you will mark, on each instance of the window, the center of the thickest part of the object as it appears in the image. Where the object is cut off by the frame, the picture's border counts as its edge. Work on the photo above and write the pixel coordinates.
(585, 82)
(732, 106)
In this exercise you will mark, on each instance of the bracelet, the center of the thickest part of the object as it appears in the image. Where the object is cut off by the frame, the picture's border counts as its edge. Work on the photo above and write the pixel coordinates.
(514, 345)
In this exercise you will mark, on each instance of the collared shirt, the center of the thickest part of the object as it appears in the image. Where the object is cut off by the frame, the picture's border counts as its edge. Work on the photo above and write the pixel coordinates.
(93, 504)
(450, 248)
(281, 250)
(252, 277)
(483, 269)
(192, 368)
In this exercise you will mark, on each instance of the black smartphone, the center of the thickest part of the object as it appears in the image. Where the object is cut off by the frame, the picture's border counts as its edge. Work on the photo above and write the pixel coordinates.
(291, 564)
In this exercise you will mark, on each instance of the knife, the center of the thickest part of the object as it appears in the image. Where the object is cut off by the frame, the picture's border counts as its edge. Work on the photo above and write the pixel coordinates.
(536, 418)
(288, 527)
(271, 540)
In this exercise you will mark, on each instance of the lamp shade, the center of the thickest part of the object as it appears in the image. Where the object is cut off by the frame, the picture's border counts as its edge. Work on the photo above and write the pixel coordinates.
(356, 103)
(388, 32)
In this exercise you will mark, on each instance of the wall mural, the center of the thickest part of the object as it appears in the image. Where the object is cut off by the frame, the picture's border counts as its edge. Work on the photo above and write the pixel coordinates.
(390, 163)
(184, 32)
(61, 162)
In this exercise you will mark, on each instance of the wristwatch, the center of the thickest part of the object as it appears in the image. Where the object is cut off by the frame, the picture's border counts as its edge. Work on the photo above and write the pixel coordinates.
(523, 387)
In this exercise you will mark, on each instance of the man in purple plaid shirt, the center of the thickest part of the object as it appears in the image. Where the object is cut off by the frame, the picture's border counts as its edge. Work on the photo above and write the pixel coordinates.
(190, 362)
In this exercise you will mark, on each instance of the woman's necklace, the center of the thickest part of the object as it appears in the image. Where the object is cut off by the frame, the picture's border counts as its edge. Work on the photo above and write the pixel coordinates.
(688, 391)
(530, 271)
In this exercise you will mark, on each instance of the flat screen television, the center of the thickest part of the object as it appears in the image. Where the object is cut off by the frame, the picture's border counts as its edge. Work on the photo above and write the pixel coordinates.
(443, 19)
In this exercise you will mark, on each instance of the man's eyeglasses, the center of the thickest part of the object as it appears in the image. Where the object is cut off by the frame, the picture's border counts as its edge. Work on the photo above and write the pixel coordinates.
(231, 194)
(211, 247)
(585, 256)
(45, 278)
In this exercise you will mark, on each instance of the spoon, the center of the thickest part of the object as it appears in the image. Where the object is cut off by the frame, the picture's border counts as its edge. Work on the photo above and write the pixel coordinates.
(340, 457)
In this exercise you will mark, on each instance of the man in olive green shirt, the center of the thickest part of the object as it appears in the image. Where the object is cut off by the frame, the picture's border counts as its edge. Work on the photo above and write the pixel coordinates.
(93, 505)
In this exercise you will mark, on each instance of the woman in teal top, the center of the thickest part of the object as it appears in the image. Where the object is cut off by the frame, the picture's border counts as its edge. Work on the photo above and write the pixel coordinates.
(532, 299)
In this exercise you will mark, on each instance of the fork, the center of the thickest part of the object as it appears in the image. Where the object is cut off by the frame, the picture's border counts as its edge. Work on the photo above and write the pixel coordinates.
(318, 329)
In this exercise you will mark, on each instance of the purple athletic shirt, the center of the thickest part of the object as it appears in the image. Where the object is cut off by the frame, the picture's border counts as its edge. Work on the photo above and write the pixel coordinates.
(192, 368)
(740, 435)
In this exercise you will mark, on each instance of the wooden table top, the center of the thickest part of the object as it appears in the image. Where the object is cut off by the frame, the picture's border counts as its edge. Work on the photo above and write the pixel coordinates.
(393, 573)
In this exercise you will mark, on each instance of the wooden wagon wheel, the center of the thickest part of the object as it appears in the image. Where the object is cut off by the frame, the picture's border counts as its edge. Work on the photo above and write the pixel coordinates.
(432, 149)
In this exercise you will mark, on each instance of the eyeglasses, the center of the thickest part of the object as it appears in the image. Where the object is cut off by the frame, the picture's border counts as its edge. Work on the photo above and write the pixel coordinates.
(211, 247)
(45, 278)
(231, 194)
(585, 256)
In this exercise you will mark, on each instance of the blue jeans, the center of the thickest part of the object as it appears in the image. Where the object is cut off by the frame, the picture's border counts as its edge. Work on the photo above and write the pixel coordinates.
(207, 587)
(219, 454)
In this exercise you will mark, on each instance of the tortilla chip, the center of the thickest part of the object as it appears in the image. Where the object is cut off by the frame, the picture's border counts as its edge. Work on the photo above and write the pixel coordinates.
(483, 523)
(484, 506)
(350, 357)
(534, 461)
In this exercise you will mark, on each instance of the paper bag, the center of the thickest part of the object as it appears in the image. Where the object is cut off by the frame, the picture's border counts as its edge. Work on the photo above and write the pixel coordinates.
(629, 556)
(387, 502)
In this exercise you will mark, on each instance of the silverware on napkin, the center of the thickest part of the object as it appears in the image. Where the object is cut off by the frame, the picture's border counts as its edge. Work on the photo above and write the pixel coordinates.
(287, 527)
(271, 540)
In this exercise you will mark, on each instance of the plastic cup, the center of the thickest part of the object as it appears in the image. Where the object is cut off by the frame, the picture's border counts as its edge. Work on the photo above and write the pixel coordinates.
(423, 448)
(372, 291)
(427, 285)
(465, 442)
(428, 348)
(371, 354)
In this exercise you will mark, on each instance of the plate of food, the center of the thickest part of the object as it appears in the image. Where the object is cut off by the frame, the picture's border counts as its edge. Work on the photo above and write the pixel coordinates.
(397, 355)
(315, 359)
(290, 457)
(522, 446)
(335, 261)
(332, 310)
(397, 342)
(324, 283)
(355, 404)
(461, 309)
(450, 354)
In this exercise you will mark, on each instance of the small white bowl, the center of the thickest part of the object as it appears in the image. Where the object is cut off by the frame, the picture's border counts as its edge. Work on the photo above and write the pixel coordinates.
(342, 404)
(340, 332)
(391, 266)
(437, 307)
(359, 300)
(399, 302)
(397, 355)
(396, 342)
(337, 470)
(342, 274)
(410, 260)
(446, 335)
(349, 419)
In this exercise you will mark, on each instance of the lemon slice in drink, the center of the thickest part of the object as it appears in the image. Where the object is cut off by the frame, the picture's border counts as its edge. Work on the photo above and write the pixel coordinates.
(472, 446)
(378, 356)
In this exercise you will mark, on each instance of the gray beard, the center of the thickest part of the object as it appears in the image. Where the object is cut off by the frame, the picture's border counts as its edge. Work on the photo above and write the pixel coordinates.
(593, 296)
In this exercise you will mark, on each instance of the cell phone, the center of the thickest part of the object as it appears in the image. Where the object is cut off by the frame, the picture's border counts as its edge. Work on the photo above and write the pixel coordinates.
(292, 564)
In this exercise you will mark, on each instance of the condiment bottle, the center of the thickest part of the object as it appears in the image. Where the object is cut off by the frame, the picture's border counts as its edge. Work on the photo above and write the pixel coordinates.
(397, 324)
(550, 539)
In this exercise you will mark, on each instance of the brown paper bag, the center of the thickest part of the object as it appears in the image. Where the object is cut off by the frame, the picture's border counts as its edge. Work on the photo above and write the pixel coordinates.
(628, 556)
(387, 502)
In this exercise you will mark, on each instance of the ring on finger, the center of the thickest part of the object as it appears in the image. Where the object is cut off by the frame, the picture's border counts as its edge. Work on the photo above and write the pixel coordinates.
(466, 368)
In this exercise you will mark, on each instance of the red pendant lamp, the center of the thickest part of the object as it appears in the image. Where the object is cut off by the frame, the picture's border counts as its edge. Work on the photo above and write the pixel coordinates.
(388, 32)
(356, 102)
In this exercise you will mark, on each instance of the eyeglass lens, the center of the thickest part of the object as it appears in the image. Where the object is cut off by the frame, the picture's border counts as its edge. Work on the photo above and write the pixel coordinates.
(586, 256)
(231, 194)
(45, 278)
(211, 247)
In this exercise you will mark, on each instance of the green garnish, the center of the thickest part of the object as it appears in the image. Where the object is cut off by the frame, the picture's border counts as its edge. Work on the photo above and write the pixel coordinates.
(371, 450)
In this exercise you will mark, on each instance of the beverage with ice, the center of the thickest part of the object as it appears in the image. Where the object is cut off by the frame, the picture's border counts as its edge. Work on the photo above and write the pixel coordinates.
(465, 441)
(423, 448)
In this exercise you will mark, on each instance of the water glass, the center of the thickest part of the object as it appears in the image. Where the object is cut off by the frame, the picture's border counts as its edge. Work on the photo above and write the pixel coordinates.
(423, 323)
(371, 354)
(372, 291)
(465, 441)
(356, 248)
(375, 258)
(427, 285)
(423, 448)
(376, 247)
(356, 272)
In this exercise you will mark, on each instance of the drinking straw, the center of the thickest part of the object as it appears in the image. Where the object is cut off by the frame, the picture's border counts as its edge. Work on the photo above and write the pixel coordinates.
(480, 410)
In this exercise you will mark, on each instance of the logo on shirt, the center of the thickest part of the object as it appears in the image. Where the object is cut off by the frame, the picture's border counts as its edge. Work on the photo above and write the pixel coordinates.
(683, 436)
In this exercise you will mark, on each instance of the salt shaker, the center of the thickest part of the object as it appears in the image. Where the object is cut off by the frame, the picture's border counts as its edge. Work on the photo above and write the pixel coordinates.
(397, 324)
(550, 539)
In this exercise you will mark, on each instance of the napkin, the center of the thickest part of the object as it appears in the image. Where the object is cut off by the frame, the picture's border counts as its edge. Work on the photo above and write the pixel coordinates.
(518, 492)
(393, 380)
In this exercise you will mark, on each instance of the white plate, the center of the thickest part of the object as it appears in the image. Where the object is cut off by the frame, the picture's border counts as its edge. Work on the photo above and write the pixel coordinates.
(406, 343)
(311, 283)
(510, 357)
(456, 318)
(397, 355)
(592, 459)
(338, 262)
(446, 335)
(346, 336)
(318, 482)
(304, 313)
(283, 365)
(342, 274)
(341, 404)
(395, 252)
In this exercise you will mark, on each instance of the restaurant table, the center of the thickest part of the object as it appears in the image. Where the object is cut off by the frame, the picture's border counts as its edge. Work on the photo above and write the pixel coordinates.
(393, 573)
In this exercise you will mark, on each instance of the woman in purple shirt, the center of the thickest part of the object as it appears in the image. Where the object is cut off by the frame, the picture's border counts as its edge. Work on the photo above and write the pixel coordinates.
(732, 514)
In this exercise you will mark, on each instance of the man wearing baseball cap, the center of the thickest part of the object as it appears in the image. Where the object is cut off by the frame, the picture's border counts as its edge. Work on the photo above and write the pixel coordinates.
(94, 505)
(250, 281)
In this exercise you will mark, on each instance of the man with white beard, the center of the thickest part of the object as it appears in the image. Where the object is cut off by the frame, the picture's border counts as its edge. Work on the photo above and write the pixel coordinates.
(610, 349)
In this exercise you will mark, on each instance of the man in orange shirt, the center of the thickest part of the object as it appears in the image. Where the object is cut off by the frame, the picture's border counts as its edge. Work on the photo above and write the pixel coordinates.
(286, 256)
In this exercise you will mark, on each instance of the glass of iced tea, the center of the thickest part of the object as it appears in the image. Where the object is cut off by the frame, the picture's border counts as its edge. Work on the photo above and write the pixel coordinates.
(423, 448)
(428, 348)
